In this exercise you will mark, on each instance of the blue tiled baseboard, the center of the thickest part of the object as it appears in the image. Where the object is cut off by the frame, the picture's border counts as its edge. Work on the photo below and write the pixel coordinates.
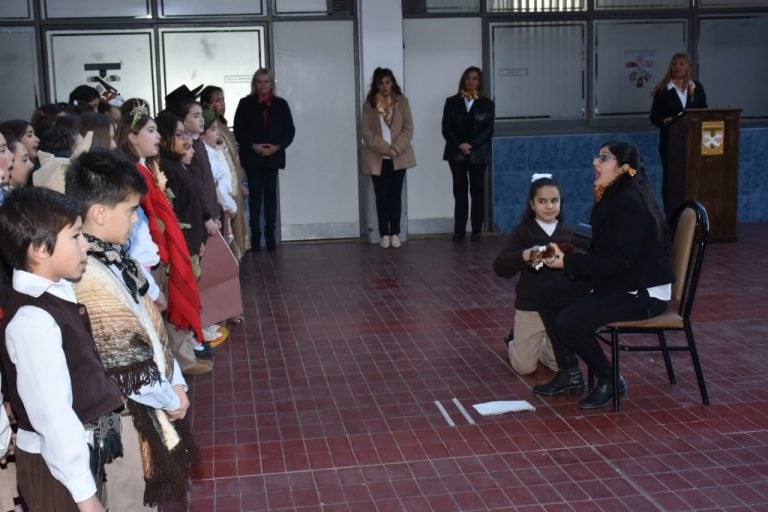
(569, 159)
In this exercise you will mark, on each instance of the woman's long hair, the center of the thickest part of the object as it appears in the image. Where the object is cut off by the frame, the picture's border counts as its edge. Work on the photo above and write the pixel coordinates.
(627, 153)
(378, 75)
(480, 87)
(668, 76)
(259, 72)
(130, 123)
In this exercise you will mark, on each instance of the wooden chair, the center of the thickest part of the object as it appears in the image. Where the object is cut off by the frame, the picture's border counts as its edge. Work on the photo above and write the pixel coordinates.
(690, 227)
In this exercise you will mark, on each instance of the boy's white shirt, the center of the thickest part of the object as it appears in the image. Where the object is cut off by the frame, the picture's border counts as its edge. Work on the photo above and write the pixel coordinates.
(144, 250)
(34, 344)
(221, 175)
(5, 430)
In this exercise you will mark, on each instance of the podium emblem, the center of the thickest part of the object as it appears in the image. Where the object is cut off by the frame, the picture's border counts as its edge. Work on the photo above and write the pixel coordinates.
(712, 138)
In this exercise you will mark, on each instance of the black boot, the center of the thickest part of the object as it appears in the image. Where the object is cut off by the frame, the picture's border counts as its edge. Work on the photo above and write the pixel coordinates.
(602, 395)
(565, 380)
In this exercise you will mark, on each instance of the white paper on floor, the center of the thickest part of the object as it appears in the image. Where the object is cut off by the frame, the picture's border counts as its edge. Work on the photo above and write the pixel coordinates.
(503, 406)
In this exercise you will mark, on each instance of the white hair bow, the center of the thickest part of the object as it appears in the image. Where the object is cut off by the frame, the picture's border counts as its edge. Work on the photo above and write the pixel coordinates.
(537, 176)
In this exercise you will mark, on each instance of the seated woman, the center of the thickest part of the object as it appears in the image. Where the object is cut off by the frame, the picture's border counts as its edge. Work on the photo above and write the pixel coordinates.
(626, 275)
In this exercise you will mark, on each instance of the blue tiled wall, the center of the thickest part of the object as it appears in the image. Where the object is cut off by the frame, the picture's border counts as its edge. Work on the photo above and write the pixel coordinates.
(569, 159)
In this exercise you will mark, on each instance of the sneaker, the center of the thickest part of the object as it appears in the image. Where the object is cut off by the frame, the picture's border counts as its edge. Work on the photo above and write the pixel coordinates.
(211, 332)
(395, 240)
(199, 368)
(204, 350)
(223, 336)
(384, 242)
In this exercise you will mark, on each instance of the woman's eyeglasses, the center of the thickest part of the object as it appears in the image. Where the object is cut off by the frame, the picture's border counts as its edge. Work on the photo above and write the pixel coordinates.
(184, 135)
(604, 157)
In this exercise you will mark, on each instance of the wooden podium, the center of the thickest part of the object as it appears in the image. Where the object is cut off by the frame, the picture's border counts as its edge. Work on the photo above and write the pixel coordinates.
(703, 165)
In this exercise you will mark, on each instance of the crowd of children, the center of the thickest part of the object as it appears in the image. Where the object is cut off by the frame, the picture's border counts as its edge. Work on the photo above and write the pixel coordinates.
(104, 220)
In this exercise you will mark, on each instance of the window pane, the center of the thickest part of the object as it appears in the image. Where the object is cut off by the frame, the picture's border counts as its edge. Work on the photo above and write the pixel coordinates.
(730, 44)
(536, 5)
(732, 3)
(630, 59)
(15, 9)
(640, 4)
(539, 70)
(301, 7)
(123, 58)
(208, 8)
(223, 56)
(452, 5)
(18, 49)
(95, 9)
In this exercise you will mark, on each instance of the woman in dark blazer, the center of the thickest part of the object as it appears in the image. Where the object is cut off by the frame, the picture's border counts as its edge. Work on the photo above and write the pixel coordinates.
(675, 93)
(626, 275)
(263, 129)
(468, 130)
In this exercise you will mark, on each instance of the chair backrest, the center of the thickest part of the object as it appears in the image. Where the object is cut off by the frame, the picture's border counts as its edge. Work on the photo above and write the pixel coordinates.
(690, 228)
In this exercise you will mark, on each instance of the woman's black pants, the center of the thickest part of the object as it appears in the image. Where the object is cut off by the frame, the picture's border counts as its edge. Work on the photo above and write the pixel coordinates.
(262, 187)
(571, 313)
(468, 177)
(388, 188)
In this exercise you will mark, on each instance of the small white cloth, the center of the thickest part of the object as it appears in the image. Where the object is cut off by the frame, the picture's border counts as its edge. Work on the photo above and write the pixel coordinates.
(503, 406)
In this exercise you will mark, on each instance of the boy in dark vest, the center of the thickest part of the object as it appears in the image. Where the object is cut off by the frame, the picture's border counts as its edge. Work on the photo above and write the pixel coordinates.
(63, 399)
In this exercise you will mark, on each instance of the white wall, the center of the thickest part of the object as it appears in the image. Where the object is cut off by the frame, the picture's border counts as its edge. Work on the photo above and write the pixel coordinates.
(437, 51)
(314, 61)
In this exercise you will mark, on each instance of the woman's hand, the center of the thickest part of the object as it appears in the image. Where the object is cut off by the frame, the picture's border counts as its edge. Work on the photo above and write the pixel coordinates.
(392, 152)
(465, 148)
(555, 261)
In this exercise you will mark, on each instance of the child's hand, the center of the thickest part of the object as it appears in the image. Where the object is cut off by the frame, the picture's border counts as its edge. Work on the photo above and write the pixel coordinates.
(161, 302)
(555, 261)
(179, 413)
(210, 227)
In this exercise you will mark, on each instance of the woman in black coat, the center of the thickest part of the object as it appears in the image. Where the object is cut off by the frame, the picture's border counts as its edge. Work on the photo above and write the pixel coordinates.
(626, 275)
(263, 129)
(675, 93)
(468, 130)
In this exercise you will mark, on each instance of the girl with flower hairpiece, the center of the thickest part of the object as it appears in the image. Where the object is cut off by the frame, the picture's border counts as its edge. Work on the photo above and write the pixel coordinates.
(672, 96)
(467, 127)
(626, 275)
(387, 153)
(542, 224)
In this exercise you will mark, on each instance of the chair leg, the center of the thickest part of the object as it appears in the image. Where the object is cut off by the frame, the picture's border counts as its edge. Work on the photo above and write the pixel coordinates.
(615, 365)
(667, 359)
(697, 365)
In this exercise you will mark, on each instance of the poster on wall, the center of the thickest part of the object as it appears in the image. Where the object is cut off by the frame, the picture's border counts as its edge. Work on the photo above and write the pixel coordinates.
(109, 58)
(226, 57)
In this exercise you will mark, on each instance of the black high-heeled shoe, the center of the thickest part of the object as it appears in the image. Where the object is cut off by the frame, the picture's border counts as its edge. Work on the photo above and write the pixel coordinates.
(602, 395)
(565, 380)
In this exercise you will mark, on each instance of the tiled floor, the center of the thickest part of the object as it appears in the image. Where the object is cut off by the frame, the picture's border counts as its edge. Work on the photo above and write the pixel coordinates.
(325, 397)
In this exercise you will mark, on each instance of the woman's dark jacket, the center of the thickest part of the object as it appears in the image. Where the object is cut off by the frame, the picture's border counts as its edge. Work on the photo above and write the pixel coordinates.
(666, 103)
(474, 127)
(626, 252)
(250, 129)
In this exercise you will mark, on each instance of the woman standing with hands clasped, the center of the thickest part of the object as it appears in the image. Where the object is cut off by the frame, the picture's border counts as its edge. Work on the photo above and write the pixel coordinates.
(263, 129)
(626, 275)
(387, 152)
(675, 93)
(468, 130)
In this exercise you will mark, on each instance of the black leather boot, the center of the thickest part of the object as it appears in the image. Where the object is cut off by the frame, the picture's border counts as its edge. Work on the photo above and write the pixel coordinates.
(565, 380)
(602, 395)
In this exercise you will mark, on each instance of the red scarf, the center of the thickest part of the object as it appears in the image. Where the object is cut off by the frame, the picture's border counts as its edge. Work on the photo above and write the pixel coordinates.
(267, 101)
(183, 295)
